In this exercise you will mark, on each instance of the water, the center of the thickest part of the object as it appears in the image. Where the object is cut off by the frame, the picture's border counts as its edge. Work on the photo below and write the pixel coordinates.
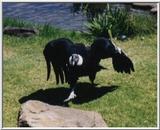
(57, 14)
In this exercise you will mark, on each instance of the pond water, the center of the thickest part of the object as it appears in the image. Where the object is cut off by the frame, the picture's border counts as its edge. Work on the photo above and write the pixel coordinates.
(57, 14)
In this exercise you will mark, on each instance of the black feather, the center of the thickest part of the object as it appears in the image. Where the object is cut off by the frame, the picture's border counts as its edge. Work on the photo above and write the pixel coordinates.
(103, 48)
(57, 53)
(122, 63)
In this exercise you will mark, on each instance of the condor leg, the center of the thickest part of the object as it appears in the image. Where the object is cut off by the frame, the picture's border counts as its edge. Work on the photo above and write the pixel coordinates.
(92, 78)
(72, 94)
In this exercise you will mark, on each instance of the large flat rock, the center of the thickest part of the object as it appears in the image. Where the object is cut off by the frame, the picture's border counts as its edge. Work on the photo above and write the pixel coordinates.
(38, 114)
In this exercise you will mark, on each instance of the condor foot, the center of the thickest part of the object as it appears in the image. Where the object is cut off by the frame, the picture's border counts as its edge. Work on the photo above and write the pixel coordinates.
(70, 97)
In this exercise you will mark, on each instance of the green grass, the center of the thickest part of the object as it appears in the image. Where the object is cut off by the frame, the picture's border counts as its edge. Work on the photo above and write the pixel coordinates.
(132, 104)
(16, 22)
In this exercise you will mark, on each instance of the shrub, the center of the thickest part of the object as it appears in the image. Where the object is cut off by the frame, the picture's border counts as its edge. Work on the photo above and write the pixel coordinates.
(143, 24)
(120, 22)
(99, 26)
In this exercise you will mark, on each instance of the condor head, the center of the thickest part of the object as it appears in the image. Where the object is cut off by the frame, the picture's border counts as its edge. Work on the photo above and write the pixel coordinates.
(103, 48)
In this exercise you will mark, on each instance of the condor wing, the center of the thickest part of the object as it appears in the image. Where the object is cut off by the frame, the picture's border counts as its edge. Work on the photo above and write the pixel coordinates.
(122, 63)
(104, 48)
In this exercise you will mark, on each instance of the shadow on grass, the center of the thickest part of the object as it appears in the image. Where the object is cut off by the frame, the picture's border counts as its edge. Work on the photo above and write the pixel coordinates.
(55, 96)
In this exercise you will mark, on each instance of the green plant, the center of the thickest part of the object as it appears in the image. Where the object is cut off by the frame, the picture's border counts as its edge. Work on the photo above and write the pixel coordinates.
(16, 23)
(115, 21)
(120, 22)
(47, 30)
(143, 24)
(99, 26)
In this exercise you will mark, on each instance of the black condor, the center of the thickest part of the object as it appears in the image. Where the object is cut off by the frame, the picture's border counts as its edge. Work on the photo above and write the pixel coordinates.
(71, 61)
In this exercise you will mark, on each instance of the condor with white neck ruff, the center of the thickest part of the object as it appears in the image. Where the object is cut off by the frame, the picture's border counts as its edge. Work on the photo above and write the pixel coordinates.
(71, 61)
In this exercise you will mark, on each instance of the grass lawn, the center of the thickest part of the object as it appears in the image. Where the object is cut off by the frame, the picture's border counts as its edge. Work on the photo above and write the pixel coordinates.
(123, 100)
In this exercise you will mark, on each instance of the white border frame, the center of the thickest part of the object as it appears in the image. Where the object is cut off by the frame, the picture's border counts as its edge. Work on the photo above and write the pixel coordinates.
(1, 65)
(158, 53)
(117, 1)
(120, 1)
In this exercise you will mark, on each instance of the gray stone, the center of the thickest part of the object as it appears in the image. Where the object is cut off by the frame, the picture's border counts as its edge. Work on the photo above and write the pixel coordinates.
(19, 31)
(38, 114)
(148, 6)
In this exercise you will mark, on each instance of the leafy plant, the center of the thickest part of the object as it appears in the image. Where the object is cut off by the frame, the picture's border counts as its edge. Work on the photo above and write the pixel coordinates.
(120, 22)
(99, 26)
(144, 24)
